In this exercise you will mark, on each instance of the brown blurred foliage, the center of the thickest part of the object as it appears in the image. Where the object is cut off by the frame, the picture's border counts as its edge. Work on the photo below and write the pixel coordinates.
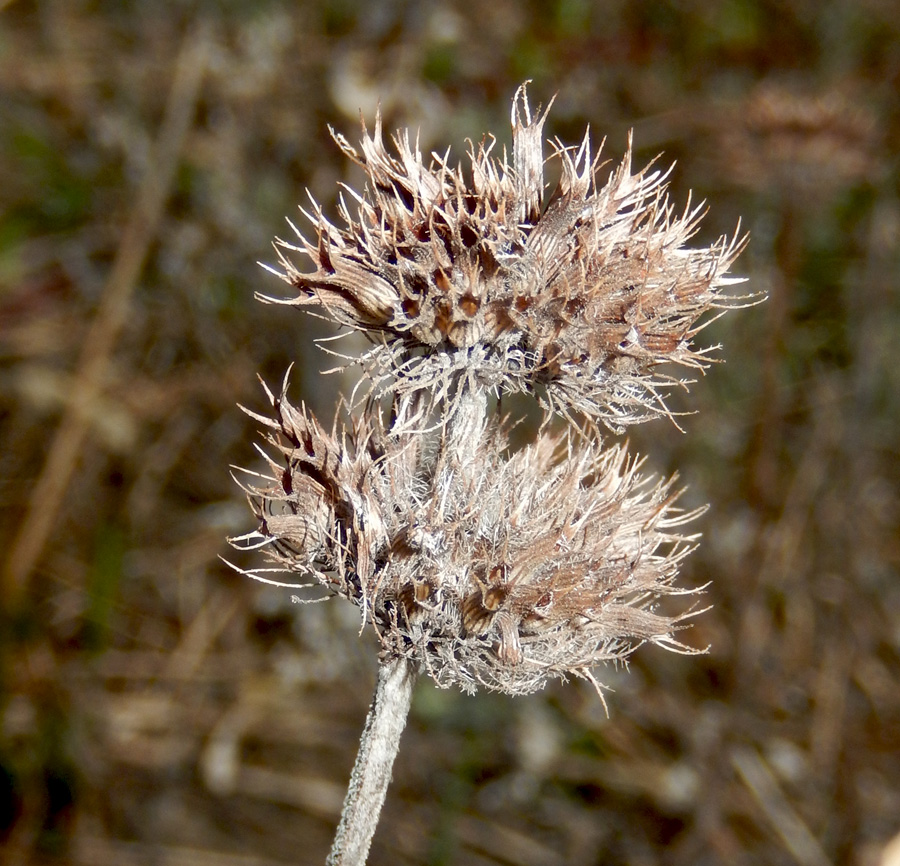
(155, 707)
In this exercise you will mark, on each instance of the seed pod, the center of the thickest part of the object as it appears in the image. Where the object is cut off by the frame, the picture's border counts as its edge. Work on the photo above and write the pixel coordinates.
(493, 570)
(580, 298)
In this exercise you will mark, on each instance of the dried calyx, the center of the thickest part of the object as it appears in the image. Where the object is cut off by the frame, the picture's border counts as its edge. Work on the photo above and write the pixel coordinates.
(583, 297)
(491, 570)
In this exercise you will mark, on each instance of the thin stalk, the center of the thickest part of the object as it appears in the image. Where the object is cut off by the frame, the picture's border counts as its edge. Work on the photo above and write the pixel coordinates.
(371, 775)
(380, 739)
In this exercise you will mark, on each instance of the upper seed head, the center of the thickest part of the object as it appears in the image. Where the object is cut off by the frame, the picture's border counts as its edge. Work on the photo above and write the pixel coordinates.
(585, 294)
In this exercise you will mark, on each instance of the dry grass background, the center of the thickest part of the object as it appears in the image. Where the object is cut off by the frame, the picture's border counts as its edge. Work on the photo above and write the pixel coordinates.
(156, 708)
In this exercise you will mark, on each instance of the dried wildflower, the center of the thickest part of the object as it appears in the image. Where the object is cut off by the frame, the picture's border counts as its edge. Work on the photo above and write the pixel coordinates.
(489, 570)
(481, 567)
(581, 298)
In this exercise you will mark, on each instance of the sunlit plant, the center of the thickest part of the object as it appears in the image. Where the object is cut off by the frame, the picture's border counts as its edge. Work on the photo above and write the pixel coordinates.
(480, 565)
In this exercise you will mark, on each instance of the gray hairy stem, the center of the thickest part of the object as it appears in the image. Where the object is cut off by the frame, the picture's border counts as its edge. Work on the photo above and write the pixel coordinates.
(380, 739)
(463, 427)
(371, 775)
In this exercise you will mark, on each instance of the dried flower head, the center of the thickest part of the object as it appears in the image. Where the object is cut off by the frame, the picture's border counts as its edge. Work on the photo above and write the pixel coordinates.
(481, 568)
(579, 299)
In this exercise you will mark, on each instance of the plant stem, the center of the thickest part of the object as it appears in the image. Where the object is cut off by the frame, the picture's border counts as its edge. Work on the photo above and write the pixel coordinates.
(372, 772)
(380, 739)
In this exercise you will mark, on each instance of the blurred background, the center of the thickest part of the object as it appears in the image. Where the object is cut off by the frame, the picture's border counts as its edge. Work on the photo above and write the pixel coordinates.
(158, 708)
